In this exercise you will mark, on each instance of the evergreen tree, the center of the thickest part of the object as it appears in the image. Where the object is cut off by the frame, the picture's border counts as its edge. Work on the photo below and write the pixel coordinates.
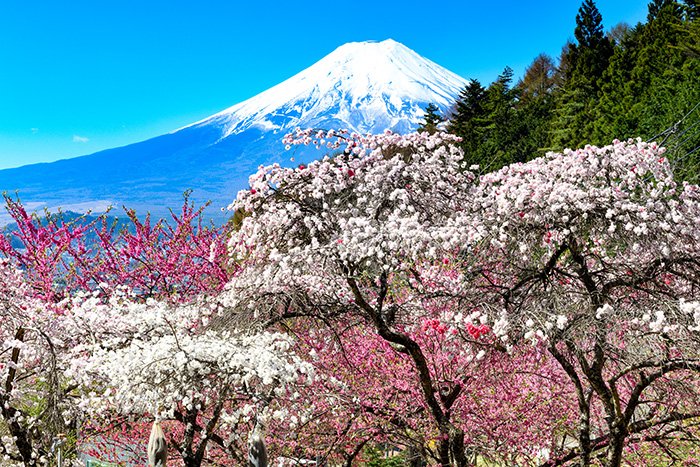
(593, 49)
(632, 81)
(692, 9)
(571, 117)
(469, 106)
(502, 126)
(657, 6)
(489, 123)
(614, 116)
(431, 119)
(653, 80)
(468, 117)
(586, 61)
(691, 47)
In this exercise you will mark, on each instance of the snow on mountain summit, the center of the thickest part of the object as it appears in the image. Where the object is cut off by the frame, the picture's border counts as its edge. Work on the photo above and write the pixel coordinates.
(361, 86)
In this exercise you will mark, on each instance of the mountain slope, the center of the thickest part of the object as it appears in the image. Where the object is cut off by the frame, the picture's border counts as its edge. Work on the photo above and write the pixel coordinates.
(363, 87)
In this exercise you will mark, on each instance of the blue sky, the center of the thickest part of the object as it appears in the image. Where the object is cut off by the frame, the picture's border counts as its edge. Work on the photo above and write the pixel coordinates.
(80, 76)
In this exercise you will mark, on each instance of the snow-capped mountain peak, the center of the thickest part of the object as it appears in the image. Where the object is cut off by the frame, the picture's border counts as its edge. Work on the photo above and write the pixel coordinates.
(366, 87)
(361, 86)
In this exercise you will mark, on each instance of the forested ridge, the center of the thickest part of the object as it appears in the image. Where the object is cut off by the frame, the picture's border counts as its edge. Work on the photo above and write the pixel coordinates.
(624, 82)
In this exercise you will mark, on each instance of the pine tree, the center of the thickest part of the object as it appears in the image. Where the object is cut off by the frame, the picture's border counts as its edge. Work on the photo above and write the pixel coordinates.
(469, 106)
(468, 119)
(586, 61)
(692, 9)
(657, 6)
(502, 127)
(431, 119)
(570, 121)
(591, 53)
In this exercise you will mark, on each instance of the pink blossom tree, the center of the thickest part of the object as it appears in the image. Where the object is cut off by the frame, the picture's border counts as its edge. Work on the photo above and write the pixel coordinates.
(177, 258)
(595, 254)
(366, 392)
(589, 254)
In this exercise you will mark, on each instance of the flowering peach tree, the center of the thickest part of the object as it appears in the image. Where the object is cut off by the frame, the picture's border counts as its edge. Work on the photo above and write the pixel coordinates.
(177, 258)
(373, 234)
(544, 314)
(34, 402)
(595, 253)
(591, 255)
(99, 323)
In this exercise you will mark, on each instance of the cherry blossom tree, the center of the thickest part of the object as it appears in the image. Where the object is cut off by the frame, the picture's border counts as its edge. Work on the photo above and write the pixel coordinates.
(346, 235)
(50, 251)
(180, 257)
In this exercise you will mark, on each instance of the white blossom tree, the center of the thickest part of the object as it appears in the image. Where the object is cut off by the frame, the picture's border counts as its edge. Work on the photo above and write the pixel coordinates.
(33, 394)
(367, 233)
(153, 359)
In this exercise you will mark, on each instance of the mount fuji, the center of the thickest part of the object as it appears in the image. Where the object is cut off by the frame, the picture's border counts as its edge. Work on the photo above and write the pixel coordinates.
(364, 87)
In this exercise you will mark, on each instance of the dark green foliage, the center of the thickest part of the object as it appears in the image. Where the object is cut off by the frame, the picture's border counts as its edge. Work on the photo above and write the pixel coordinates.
(502, 126)
(503, 123)
(431, 119)
(468, 118)
(634, 81)
(489, 123)
(590, 55)
(586, 62)
(692, 9)
(657, 7)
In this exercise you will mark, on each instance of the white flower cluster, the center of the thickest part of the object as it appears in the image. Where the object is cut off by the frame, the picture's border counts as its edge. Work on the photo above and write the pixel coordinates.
(618, 197)
(33, 339)
(692, 309)
(152, 357)
(382, 208)
(617, 206)
(404, 204)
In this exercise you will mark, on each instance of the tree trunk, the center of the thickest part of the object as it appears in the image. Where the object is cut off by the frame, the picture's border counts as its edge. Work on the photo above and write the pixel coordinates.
(189, 456)
(451, 447)
(191, 461)
(618, 433)
(457, 447)
(22, 440)
(444, 447)
(9, 413)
